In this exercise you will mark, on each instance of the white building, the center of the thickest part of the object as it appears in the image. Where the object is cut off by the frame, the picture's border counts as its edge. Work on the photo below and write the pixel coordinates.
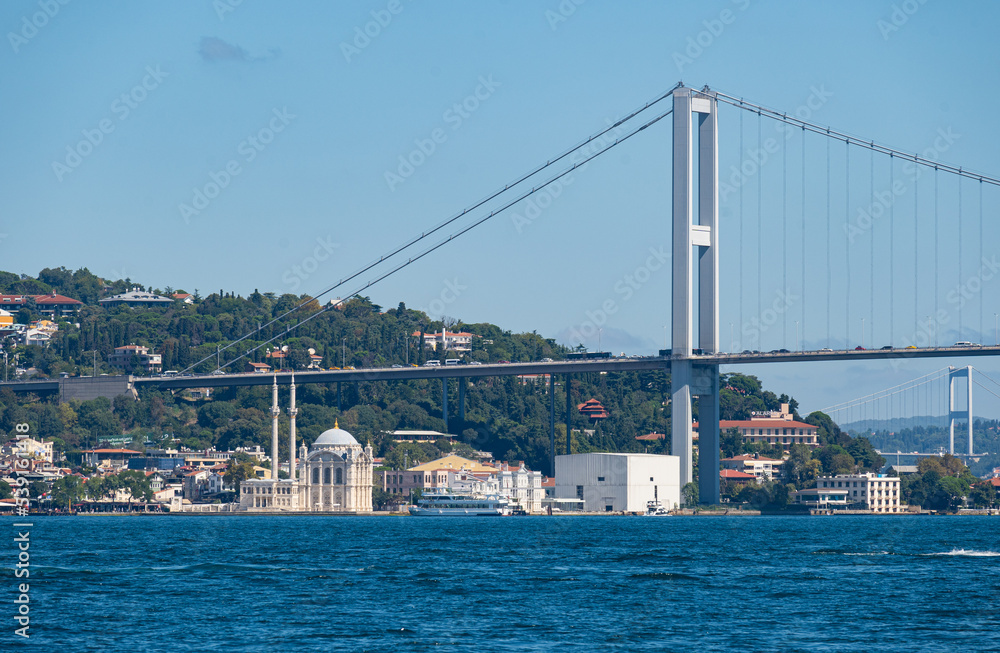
(522, 487)
(616, 482)
(879, 493)
(335, 476)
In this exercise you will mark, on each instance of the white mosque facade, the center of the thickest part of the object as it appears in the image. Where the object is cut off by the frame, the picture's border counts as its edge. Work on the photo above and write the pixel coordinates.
(334, 475)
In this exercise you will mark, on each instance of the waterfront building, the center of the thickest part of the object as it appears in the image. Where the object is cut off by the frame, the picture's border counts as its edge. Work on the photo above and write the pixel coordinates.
(615, 482)
(816, 497)
(877, 492)
(461, 341)
(334, 475)
(522, 486)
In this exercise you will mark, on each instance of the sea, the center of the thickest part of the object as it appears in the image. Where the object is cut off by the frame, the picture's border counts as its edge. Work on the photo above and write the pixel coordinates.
(567, 583)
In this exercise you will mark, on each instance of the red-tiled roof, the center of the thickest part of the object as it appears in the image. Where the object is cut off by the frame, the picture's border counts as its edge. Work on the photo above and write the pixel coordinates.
(55, 299)
(651, 436)
(734, 475)
(111, 451)
(995, 482)
(761, 423)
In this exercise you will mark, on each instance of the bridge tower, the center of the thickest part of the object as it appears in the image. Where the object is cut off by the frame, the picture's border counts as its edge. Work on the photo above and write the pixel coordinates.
(688, 377)
(957, 373)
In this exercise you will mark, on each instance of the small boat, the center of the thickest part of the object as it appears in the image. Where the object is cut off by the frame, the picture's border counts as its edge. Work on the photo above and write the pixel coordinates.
(460, 505)
(656, 509)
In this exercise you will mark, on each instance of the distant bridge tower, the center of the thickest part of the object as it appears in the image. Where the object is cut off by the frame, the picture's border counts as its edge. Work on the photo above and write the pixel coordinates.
(957, 373)
(689, 378)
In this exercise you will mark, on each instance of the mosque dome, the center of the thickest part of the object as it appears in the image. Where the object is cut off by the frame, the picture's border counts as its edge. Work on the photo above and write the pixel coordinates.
(335, 437)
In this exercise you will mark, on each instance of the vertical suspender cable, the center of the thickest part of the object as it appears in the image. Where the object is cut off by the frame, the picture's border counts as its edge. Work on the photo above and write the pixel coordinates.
(892, 235)
(982, 295)
(937, 237)
(871, 248)
(847, 245)
(760, 221)
(916, 247)
(802, 235)
(739, 162)
(829, 237)
(960, 255)
(784, 236)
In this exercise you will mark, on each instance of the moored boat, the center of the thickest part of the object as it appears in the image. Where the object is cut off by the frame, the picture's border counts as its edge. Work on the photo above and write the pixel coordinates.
(460, 505)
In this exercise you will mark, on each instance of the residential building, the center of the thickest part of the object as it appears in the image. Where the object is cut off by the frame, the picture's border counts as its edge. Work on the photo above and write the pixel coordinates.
(759, 468)
(729, 477)
(52, 304)
(616, 482)
(6, 318)
(432, 475)
(30, 448)
(257, 368)
(55, 305)
(136, 297)
(522, 486)
(877, 492)
(129, 355)
(187, 298)
(460, 341)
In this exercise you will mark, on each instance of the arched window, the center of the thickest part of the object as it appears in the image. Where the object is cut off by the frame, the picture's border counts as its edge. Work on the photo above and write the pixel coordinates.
(340, 476)
(326, 475)
(315, 475)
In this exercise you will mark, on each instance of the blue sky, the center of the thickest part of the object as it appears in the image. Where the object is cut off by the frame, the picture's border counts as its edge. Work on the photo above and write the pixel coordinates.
(117, 116)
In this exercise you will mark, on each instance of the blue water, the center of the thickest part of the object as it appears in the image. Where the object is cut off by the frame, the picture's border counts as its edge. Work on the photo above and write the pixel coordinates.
(519, 584)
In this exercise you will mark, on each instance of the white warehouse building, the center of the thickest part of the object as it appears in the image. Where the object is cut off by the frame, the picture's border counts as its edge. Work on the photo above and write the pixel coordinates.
(616, 482)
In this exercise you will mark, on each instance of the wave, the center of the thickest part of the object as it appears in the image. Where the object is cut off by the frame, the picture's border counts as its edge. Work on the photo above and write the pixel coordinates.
(969, 553)
(663, 575)
(869, 553)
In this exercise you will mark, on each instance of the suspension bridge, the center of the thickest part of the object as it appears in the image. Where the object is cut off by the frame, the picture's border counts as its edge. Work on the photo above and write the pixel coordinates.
(868, 251)
(942, 400)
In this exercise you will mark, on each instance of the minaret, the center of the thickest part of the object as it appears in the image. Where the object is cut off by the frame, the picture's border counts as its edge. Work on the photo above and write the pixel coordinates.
(275, 411)
(291, 432)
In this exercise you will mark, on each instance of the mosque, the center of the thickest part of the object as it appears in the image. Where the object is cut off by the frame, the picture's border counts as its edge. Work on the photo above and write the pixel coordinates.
(334, 475)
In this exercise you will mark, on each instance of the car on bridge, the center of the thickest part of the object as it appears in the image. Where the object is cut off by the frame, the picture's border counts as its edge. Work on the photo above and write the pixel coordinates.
(859, 348)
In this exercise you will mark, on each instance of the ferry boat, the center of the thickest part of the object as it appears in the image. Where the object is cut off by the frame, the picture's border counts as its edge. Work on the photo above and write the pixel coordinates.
(460, 505)
(656, 509)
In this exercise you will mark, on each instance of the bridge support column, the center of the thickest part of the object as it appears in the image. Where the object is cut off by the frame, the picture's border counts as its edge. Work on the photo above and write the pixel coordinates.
(552, 424)
(444, 402)
(681, 417)
(706, 386)
(338, 396)
(688, 379)
(957, 373)
(569, 415)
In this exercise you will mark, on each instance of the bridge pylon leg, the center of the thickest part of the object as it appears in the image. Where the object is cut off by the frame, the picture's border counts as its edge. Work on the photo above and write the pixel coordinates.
(689, 379)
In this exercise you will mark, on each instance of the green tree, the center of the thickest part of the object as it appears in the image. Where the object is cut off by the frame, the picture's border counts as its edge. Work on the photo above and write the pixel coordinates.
(239, 469)
(689, 495)
(66, 491)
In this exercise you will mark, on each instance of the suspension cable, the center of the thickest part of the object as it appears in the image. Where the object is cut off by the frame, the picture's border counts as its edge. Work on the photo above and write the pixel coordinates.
(937, 240)
(397, 250)
(447, 240)
(960, 337)
(802, 235)
(832, 133)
